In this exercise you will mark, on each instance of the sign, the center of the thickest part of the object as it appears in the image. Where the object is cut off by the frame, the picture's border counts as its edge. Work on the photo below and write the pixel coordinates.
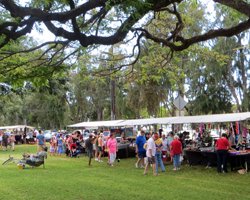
(180, 103)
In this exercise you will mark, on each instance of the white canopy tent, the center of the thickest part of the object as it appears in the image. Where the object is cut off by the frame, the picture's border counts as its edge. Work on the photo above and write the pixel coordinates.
(216, 118)
(148, 121)
(111, 123)
(16, 127)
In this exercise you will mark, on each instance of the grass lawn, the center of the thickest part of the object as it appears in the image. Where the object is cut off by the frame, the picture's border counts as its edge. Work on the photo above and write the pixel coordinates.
(73, 179)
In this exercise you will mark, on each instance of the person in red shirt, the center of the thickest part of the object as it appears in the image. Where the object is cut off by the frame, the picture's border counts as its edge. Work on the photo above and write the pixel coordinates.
(176, 149)
(222, 147)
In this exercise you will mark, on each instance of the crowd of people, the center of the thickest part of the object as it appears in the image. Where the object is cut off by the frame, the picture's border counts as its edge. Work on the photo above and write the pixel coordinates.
(7, 139)
(95, 146)
(153, 149)
(60, 144)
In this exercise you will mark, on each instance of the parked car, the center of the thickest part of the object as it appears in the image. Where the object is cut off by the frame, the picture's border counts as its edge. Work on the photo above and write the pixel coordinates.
(85, 134)
(118, 139)
(48, 135)
(29, 138)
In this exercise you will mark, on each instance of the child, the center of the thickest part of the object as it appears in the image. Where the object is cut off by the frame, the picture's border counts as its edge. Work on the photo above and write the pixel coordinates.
(52, 147)
(60, 145)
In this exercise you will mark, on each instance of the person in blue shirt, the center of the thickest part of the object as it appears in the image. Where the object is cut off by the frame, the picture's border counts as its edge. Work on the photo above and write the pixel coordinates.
(139, 149)
(41, 142)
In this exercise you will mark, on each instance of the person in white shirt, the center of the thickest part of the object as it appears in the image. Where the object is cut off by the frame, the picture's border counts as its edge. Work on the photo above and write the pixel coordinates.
(150, 152)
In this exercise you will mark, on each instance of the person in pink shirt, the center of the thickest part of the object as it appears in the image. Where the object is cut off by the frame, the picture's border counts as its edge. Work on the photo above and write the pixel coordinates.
(112, 149)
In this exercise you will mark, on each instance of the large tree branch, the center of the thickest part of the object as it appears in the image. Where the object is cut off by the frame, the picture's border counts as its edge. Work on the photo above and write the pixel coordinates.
(88, 22)
(19, 11)
(85, 40)
(76, 11)
(185, 43)
(239, 5)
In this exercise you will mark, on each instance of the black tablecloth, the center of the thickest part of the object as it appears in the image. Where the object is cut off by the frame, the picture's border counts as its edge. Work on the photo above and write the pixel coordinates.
(207, 158)
(239, 160)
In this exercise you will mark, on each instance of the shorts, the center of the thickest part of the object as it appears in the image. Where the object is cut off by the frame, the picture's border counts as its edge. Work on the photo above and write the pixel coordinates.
(142, 154)
(52, 150)
(151, 160)
(99, 149)
(112, 157)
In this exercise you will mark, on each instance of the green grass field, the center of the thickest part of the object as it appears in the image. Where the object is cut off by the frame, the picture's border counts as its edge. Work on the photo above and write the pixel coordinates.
(73, 179)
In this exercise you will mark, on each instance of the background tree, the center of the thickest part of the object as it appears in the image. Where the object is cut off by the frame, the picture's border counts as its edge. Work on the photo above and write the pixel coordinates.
(67, 80)
(221, 72)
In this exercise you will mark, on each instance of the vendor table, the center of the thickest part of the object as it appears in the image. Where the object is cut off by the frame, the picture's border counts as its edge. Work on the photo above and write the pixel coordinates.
(194, 157)
(125, 150)
(209, 158)
(239, 160)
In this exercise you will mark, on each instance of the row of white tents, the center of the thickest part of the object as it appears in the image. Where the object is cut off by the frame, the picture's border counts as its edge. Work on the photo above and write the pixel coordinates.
(216, 118)
(16, 127)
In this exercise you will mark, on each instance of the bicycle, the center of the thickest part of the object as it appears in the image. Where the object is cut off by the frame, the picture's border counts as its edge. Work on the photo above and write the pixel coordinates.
(13, 160)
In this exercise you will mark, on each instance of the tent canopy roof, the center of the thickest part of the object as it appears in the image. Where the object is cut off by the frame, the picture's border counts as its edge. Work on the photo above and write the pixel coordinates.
(15, 127)
(216, 118)
(96, 124)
